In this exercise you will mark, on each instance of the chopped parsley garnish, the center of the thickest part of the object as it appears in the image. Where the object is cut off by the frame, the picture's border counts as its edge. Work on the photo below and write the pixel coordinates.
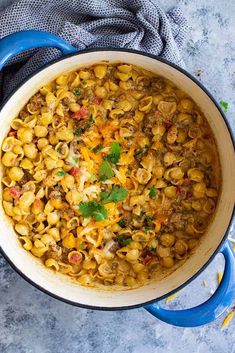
(152, 192)
(61, 173)
(114, 153)
(79, 131)
(117, 194)
(98, 148)
(122, 223)
(87, 126)
(105, 171)
(77, 92)
(81, 246)
(148, 222)
(92, 119)
(149, 218)
(142, 213)
(224, 106)
(124, 241)
(93, 209)
(140, 151)
(152, 249)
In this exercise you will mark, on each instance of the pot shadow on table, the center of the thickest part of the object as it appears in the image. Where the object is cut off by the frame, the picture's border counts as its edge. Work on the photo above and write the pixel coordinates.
(33, 322)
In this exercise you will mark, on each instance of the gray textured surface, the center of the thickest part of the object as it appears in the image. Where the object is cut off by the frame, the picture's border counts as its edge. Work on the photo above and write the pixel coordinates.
(31, 322)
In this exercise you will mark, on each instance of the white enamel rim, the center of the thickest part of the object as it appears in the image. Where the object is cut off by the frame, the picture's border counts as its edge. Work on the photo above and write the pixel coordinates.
(60, 286)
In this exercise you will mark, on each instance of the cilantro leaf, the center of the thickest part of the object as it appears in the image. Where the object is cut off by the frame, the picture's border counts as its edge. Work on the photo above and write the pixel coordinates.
(224, 106)
(77, 92)
(61, 173)
(104, 195)
(152, 192)
(117, 194)
(114, 153)
(124, 241)
(100, 215)
(105, 171)
(81, 246)
(93, 209)
(98, 148)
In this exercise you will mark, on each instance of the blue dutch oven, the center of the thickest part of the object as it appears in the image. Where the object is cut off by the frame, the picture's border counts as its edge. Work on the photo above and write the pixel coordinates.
(64, 289)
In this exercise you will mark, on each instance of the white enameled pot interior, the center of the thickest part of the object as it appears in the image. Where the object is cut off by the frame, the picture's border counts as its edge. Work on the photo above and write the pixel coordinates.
(60, 285)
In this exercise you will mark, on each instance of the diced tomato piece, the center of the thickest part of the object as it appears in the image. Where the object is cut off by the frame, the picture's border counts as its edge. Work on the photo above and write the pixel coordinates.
(147, 259)
(83, 113)
(158, 114)
(12, 133)
(98, 100)
(75, 258)
(186, 182)
(75, 172)
(162, 218)
(188, 195)
(15, 193)
(178, 190)
(168, 124)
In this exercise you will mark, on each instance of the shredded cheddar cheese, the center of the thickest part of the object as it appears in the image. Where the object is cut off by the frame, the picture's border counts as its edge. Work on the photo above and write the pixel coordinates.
(227, 320)
(171, 297)
(219, 277)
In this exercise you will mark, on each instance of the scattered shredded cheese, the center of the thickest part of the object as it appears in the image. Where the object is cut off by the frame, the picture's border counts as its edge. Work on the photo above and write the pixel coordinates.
(92, 191)
(83, 178)
(121, 175)
(85, 154)
(171, 297)
(107, 222)
(219, 277)
(86, 230)
(227, 319)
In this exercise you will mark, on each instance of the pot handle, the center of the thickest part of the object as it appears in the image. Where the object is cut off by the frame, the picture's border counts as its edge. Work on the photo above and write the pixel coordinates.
(212, 308)
(24, 40)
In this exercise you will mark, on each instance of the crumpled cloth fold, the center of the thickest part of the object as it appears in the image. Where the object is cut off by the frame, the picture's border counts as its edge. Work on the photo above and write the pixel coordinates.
(134, 24)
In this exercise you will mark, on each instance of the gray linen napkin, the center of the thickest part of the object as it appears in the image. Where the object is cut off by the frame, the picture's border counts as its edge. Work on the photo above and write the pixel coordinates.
(135, 24)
